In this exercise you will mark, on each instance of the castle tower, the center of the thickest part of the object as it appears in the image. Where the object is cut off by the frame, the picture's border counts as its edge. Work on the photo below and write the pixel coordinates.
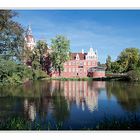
(29, 39)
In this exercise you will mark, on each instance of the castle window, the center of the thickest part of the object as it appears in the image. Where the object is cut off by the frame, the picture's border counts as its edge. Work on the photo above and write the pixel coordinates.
(81, 63)
(77, 63)
(65, 70)
(69, 69)
(73, 63)
(77, 70)
(89, 63)
(73, 69)
(84, 63)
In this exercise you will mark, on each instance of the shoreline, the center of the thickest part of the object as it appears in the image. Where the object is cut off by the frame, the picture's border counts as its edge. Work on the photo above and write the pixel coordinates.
(87, 79)
(107, 78)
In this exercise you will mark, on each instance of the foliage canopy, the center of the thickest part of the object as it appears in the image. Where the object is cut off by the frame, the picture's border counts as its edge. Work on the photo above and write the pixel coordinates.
(60, 52)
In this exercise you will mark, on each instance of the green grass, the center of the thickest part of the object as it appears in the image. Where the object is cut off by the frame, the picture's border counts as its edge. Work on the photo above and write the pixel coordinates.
(17, 123)
(87, 79)
(70, 79)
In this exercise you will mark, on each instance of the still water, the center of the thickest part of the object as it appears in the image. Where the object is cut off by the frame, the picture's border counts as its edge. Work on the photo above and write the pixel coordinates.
(77, 104)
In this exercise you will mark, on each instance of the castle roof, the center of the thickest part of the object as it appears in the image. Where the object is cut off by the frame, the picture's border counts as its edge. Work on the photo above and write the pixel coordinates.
(82, 56)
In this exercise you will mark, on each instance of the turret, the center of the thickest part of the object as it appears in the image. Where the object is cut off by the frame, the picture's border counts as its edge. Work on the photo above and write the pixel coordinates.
(29, 39)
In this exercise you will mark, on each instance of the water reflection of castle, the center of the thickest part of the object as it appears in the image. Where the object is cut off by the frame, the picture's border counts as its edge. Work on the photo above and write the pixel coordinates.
(30, 109)
(82, 93)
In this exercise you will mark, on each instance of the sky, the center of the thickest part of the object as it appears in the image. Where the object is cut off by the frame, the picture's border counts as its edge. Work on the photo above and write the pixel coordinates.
(107, 31)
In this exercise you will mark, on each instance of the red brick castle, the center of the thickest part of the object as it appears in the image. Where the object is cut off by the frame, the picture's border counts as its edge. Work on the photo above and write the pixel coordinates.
(80, 64)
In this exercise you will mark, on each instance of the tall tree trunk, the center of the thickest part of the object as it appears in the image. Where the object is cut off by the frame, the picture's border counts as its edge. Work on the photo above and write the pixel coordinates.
(59, 71)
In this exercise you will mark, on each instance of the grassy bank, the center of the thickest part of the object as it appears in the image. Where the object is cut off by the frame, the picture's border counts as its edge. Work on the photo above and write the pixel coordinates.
(67, 79)
(87, 79)
(17, 123)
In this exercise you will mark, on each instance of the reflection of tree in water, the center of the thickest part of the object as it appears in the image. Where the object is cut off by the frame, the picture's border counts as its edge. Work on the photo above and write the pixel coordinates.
(127, 94)
(42, 98)
(9, 107)
(61, 110)
(35, 98)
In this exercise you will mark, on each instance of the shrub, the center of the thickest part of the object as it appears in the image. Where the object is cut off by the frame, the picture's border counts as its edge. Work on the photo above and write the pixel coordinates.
(134, 75)
(12, 73)
(38, 74)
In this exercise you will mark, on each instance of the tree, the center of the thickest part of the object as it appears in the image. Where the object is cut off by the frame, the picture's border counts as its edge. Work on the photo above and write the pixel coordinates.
(134, 75)
(129, 59)
(116, 67)
(37, 57)
(11, 36)
(138, 61)
(60, 52)
(41, 52)
(108, 63)
(13, 73)
(5, 15)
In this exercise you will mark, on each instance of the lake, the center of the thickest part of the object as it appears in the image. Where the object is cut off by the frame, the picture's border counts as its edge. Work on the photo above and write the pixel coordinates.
(68, 105)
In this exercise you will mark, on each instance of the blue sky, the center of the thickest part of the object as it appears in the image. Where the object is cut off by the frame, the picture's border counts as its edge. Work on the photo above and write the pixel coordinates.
(108, 31)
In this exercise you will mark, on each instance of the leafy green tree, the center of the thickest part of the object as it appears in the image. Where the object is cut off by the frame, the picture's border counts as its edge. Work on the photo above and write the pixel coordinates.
(134, 75)
(128, 59)
(41, 52)
(108, 63)
(13, 73)
(11, 36)
(138, 61)
(60, 52)
(116, 67)
(36, 57)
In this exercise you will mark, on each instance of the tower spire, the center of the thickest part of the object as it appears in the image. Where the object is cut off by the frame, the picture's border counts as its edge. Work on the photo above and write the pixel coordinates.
(29, 39)
(29, 30)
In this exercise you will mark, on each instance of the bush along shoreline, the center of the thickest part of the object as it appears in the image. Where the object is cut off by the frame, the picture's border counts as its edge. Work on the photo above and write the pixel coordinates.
(12, 73)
